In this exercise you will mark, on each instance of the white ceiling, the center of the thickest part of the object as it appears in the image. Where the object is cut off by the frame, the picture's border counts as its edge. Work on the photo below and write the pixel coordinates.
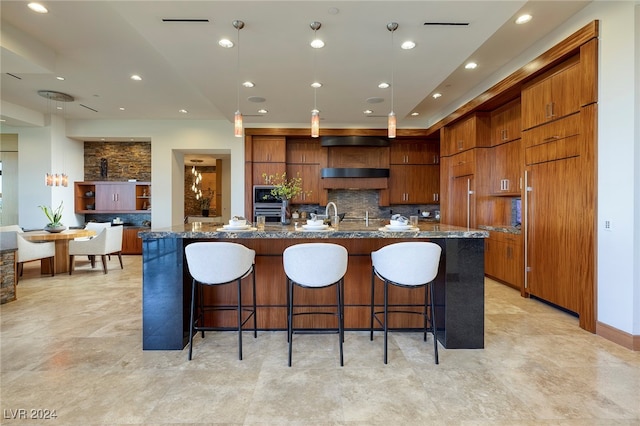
(97, 45)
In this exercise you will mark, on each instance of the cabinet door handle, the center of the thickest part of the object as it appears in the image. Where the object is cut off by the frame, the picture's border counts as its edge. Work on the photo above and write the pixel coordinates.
(551, 138)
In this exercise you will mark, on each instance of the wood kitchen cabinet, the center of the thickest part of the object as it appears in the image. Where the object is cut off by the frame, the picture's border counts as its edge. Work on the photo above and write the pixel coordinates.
(115, 197)
(112, 197)
(269, 149)
(310, 175)
(131, 244)
(503, 258)
(414, 152)
(506, 123)
(552, 96)
(506, 166)
(465, 178)
(303, 151)
(471, 132)
(260, 169)
(414, 184)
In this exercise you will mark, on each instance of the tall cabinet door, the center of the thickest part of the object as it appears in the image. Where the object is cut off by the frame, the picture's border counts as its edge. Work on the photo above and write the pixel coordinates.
(463, 205)
(559, 239)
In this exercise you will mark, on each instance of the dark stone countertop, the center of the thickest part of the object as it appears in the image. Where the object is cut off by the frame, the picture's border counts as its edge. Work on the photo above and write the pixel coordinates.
(347, 229)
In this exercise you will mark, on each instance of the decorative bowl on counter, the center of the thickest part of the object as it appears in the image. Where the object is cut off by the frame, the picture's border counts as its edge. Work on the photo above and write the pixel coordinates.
(237, 222)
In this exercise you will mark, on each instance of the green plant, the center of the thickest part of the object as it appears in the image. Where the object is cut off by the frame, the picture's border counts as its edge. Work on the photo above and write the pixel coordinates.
(54, 216)
(205, 199)
(284, 189)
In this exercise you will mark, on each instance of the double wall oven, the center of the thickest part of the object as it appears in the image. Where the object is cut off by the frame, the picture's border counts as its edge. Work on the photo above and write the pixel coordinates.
(265, 204)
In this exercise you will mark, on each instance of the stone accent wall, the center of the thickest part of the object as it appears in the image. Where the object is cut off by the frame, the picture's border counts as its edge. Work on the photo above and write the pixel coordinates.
(124, 161)
(7, 276)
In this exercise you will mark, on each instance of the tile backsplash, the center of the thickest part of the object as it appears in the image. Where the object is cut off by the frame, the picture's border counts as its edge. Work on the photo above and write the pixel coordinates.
(355, 203)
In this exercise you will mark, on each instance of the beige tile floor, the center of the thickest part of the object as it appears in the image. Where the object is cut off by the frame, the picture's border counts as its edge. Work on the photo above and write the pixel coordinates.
(73, 345)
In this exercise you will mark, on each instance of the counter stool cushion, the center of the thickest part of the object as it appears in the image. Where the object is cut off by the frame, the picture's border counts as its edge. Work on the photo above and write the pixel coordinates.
(219, 263)
(410, 265)
(315, 265)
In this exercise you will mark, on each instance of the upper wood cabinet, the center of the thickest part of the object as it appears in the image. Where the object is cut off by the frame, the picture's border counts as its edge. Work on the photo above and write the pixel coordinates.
(414, 184)
(269, 149)
(303, 151)
(551, 97)
(310, 175)
(414, 152)
(472, 132)
(506, 123)
(506, 166)
(112, 197)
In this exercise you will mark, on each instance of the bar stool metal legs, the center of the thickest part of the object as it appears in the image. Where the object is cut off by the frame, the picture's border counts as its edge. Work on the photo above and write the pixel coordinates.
(409, 265)
(315, 265)
(220, 263)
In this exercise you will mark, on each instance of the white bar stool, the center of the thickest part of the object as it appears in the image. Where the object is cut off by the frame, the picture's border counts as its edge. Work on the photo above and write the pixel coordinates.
(219, 263)
(409, 265)
(315, 265)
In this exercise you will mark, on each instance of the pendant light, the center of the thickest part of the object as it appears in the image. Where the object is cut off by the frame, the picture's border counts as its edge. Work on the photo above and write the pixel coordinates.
(391, 122)
(237, 119)
(60, 99)
(315, 114)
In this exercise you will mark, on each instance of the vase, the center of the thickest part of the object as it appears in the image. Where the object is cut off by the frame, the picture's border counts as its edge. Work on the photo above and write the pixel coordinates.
(55, 229)
(205, 213)
(285, 213)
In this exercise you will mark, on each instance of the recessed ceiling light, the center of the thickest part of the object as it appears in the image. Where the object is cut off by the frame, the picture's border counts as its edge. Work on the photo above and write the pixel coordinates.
(60, 78)
(407, 45)
(367, 111)
(383, 85)
(226, 43)
(471, 66)
(183, 111)
(262, 111)
(436, 95)
(121, 108)
(317, 43)
(136, 77)
(523, 19)
(316, 84)
(415, 113)
(37, 7)
(248, 84)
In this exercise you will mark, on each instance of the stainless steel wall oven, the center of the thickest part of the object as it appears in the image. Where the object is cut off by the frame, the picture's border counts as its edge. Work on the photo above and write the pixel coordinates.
(265, 204)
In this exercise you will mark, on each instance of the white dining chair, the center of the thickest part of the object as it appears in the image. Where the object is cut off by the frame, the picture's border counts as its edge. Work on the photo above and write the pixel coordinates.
(107, 242)
(29, 251)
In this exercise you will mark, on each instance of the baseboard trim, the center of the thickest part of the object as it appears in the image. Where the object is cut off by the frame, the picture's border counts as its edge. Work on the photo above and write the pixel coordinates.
(620, 337)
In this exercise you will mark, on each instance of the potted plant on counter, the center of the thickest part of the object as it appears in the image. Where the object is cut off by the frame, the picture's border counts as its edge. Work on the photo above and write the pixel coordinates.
(284, 189)
(55, 217)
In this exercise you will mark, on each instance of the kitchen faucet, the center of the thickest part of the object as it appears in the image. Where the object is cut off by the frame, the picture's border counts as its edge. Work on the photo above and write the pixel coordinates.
(335, 208)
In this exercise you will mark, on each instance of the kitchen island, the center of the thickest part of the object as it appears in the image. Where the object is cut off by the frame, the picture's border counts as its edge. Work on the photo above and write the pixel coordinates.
(459, 285)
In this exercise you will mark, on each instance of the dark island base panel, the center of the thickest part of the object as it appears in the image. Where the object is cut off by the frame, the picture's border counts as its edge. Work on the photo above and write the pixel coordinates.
(459, 291)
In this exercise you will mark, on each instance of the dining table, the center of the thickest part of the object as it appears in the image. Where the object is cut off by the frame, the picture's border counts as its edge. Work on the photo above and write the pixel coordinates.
(61, 240)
